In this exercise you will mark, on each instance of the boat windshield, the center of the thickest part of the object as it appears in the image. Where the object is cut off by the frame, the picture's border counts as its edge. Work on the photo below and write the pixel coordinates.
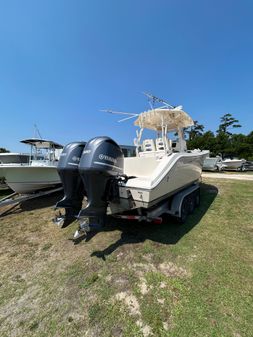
(210, 161)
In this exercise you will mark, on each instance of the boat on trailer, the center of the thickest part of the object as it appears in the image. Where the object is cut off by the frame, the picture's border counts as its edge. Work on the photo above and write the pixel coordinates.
(161, 178)
(234, 164)
(41, 170)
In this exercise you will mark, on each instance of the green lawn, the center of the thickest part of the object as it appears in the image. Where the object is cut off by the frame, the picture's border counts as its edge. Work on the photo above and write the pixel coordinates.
(131, 280)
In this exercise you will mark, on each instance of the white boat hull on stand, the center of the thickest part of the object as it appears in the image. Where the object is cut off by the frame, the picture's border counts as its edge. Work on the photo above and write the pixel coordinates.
(28, 179)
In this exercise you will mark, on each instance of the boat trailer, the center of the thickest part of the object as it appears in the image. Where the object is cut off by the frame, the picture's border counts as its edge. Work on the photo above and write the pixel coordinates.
(15, 199)
(179, 206)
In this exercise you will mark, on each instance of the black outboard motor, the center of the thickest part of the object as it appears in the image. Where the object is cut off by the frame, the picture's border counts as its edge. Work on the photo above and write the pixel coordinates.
(72, 183)
(101, 161)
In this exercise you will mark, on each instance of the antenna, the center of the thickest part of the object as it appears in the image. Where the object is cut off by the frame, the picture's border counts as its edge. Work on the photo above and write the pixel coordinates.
(36, 131)
(130, 114)
(151, 99)
(154, 99)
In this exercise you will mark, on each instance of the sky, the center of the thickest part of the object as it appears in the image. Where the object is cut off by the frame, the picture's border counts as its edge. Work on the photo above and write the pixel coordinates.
(61, 61)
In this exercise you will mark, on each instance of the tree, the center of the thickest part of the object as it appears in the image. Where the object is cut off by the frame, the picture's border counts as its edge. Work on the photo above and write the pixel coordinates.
(206, 141)
(3, 150)
(249, 141)
(222, 145)
(224, 142)
(195, 131)
(224, 136)
(228, 122)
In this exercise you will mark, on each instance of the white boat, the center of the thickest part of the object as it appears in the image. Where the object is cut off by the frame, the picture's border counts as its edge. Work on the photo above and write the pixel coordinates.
(234, 164)
(161, 168)
(213, 164)
(117, 185)
(39, 173)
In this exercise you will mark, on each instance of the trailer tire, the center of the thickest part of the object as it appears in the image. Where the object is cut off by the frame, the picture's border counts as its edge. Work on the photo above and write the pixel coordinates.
(184, 211)
(197, 198)
(191, 202)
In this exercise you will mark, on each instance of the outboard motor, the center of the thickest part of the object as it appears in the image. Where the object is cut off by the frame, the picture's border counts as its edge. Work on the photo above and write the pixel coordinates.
(72, 183)
(101, 161)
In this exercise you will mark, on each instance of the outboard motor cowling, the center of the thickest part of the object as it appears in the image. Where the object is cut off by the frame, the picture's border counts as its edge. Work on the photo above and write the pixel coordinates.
(101, 161)
(72, 183)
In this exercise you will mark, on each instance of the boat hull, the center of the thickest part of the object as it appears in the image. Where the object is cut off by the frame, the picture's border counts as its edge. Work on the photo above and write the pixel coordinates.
(29, 179)
(171, 175)
(233, 164)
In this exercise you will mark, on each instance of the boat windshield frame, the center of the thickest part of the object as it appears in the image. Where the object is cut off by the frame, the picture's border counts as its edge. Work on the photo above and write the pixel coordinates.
(37, 145)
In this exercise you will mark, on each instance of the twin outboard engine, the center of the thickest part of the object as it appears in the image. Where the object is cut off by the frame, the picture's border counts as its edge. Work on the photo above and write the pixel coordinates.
(101, 161)
(89, 169)
(72, 183)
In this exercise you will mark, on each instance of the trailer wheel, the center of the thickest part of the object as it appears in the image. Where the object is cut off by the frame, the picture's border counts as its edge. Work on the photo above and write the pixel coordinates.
(184, 210)
(197, 198)
(191, 202)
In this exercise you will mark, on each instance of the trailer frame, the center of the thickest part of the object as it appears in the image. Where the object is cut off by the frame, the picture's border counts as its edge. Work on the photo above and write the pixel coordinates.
(178, 205)
(15, 199)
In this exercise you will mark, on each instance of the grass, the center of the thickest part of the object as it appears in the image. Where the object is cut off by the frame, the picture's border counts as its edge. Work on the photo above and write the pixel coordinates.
(132, 279)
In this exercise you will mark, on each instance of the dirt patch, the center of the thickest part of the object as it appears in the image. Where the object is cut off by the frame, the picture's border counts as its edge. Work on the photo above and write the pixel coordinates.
(162, 285)
(133, 307)
(130, 301)
(141, 268)
(165, 326)
(228, 176)
(161, 300)
(143, 286)
(145, 329)
(171, 270)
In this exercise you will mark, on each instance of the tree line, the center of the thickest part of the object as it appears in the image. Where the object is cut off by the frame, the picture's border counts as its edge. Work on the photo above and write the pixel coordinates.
(223, 142)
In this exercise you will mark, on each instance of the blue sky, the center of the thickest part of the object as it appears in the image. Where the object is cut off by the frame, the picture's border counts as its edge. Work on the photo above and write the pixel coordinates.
(63, 60)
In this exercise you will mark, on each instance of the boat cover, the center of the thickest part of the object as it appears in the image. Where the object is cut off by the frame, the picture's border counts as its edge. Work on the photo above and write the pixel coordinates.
(42, 143)
(156, 118)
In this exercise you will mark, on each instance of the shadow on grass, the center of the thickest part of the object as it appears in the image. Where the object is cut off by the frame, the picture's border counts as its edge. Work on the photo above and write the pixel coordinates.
(41, 202)
(169, 232)
(33, 204)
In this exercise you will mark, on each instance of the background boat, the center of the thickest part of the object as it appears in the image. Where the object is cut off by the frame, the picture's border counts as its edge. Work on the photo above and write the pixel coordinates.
(39, 173)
